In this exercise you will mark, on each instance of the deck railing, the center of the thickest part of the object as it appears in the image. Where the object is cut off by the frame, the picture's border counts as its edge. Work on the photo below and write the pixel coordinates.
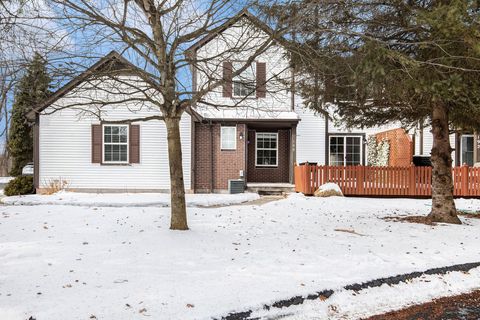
(384, 181)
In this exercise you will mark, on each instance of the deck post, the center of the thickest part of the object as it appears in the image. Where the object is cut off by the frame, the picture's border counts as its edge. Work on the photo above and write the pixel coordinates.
(360, 180)
(412, 181)
(464, 181)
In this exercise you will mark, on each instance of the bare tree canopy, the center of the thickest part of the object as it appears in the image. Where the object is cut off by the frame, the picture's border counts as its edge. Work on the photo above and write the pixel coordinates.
(23, 34)
(155, 45)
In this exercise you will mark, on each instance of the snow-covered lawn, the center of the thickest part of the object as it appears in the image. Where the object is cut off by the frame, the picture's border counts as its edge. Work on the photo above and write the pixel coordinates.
(72, 262)
(127, 199)
(346, 304)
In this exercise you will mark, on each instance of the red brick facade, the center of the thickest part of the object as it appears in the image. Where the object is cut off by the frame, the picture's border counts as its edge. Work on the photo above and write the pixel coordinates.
(213, 167)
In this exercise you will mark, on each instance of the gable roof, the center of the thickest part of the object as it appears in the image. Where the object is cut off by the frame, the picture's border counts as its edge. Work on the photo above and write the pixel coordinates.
(113, 61)
(230, 22)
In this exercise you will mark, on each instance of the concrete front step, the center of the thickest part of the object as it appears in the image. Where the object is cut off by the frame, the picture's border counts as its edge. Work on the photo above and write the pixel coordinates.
(270, 188)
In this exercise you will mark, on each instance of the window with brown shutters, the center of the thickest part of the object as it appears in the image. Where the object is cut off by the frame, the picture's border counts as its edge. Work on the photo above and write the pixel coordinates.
(227, 78)
(116, 143)
(261, 79)
(244, 83)
(97, 139)
(134, 146)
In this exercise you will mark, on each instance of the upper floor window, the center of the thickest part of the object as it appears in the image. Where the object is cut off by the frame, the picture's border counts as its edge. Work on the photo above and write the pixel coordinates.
(244, 84)
(228, 138)
(115, 143)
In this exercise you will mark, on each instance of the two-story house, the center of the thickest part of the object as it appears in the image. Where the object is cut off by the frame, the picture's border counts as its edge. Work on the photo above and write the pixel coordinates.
(253, 127)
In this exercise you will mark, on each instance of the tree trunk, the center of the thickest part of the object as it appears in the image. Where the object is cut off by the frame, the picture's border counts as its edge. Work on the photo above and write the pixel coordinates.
(178, 220)
(443, 206)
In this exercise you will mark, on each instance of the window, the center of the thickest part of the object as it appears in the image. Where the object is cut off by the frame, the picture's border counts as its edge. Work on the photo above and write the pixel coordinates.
(466, 145)
(115, 143)
(345, 150)
(228, 138)
(266, 149)
(244, 84)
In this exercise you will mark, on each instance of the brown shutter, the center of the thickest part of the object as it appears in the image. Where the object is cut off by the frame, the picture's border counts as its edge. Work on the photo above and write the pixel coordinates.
(261, 79)
(96, 143)
(227, 77)
(134, 144)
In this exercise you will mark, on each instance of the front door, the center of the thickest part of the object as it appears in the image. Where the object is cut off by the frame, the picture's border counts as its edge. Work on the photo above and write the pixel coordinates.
(268, 155)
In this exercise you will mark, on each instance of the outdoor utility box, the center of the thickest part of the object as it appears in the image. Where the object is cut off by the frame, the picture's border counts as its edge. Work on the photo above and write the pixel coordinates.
(307, 163)
(422, 161)
(236, 186)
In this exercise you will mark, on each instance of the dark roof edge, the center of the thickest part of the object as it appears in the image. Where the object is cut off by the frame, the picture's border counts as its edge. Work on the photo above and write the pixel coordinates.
(84, 75)
(242, 14)
(252, 120)
(76, 81)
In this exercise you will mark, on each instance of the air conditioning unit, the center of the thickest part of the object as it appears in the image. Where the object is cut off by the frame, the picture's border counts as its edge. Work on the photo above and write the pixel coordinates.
(236, 186)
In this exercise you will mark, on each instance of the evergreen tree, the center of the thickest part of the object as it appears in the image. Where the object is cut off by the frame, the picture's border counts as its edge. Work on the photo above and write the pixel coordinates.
(32, 88)
(394, 60)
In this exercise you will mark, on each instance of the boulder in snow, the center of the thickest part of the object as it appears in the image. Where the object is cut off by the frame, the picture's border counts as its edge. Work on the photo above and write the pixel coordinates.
(328, 190)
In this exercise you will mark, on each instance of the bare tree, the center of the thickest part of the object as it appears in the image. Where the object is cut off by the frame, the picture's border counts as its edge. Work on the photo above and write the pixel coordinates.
(22, 34)
(156, 37)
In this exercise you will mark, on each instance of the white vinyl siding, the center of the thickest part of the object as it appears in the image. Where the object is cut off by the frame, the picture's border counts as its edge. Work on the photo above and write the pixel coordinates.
(225, 48)
(428, 143)
(228, 138)
(66, 151)
(311, 139)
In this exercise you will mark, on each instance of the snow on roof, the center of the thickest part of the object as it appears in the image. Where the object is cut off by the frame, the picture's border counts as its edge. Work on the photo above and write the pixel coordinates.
(245, 113)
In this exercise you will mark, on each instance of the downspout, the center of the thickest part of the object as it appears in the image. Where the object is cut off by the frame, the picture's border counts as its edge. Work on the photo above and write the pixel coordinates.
(36, 152)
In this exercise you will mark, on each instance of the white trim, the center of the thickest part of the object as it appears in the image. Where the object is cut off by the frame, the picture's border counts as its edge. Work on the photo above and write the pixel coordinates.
(115, 143)
(345, 147)
(234, 137)
(256, 149)
(461, 146)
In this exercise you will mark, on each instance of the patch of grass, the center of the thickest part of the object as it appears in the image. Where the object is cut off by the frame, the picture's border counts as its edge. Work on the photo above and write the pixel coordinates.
(412, 219)
(469, 214)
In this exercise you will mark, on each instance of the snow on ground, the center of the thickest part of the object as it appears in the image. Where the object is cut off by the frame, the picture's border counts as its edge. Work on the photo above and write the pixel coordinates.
(358, 305)
(73, 262)
(127, 199)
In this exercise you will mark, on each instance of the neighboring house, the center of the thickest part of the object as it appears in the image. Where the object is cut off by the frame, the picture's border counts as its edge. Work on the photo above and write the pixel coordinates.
(466, 145)
(253, 127)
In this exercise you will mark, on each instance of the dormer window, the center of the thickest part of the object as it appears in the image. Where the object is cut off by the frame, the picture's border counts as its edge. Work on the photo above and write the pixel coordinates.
(244, 84)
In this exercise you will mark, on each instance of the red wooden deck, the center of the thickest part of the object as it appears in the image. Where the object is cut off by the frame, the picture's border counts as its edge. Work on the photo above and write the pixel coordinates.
(384, 181)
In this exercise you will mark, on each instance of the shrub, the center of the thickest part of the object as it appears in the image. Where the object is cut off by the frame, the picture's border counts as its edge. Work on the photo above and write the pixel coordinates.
(55, 185)
(20, 185)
